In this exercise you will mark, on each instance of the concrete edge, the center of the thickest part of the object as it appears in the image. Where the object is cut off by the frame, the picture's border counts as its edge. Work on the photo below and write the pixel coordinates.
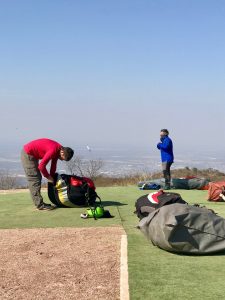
(124, 278)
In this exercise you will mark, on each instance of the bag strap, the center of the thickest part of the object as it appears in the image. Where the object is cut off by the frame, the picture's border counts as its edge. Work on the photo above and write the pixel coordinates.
(87, 196)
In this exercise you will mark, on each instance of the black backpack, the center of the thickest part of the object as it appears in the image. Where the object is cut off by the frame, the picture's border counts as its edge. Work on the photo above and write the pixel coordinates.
(72, 191)
(150, 202)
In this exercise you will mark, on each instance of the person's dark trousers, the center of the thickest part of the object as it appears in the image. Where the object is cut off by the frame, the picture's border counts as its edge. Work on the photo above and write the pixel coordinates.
(166, 173)
(30, 165)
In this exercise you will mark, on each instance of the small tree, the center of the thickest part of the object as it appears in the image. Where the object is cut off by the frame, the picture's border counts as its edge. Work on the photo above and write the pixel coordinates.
(93, 167)
(81, 167)
(7, 181)
(195, 171)
(75, 166)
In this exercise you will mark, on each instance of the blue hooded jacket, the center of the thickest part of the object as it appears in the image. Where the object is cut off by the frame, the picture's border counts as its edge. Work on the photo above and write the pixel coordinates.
(166, 148)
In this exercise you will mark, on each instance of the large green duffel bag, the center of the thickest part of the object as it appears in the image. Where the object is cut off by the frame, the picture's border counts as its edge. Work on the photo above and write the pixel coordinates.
(190, 183)
(184, 228)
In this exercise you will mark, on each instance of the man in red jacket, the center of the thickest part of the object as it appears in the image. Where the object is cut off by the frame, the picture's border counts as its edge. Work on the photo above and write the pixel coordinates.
(44, 150)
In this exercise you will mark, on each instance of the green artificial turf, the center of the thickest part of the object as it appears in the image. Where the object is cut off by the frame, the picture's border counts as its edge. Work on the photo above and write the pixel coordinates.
(153, 273)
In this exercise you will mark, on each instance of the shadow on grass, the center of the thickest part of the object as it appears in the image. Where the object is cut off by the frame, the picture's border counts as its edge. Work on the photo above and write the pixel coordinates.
(104, 203)
(113, 203)
(220, 253)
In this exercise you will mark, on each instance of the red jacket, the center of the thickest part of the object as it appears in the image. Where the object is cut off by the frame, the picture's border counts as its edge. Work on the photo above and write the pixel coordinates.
(45, 150)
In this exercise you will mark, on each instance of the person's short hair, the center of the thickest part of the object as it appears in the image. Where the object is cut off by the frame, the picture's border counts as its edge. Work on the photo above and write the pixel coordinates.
(68, 152)
(165, 131)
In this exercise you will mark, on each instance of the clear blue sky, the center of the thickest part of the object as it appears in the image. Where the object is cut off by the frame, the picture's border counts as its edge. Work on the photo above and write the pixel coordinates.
(113, 72)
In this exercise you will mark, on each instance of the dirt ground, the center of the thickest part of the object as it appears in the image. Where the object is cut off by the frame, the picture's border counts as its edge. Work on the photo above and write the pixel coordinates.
(62, 263)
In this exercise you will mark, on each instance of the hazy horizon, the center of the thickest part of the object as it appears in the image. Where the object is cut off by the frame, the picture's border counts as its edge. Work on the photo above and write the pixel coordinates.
(123, 159)
(14, 148)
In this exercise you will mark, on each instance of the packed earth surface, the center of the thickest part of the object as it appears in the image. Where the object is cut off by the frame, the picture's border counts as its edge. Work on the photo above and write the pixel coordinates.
(63, 263)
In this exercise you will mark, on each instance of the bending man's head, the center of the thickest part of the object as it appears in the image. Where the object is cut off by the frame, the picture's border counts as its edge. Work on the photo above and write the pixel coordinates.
(66, 153)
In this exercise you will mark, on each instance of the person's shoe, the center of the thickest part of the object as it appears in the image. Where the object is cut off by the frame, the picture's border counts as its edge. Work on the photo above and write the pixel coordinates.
(45, 206)
(167, 187)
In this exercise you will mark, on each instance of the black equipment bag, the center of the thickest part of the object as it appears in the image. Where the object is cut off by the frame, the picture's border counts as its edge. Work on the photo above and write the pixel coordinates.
(72, 191)
(150, 202)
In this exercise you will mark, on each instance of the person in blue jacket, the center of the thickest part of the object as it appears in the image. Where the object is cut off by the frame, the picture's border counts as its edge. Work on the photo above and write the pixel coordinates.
(166, 148)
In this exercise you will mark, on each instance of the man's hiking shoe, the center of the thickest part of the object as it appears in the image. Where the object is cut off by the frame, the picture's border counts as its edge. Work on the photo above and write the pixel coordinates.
(45, 206)
(167, 187)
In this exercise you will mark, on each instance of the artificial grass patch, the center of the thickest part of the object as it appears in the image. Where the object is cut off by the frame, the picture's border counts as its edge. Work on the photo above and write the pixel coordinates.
(153, 273)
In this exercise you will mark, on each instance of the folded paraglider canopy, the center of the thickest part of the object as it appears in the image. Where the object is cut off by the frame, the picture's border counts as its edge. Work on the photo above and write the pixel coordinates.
(216, 191)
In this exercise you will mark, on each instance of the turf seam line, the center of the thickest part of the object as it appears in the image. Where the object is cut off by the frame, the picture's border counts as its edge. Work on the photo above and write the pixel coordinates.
(121, 219)
(124, 282)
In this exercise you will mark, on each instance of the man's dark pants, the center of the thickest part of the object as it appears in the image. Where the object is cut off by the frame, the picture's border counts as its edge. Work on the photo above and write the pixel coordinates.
(166, 173)
(30, 165)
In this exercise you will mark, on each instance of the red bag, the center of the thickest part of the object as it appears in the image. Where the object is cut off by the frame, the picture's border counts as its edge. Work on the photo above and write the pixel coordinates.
(216, 191)
(78, 181)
